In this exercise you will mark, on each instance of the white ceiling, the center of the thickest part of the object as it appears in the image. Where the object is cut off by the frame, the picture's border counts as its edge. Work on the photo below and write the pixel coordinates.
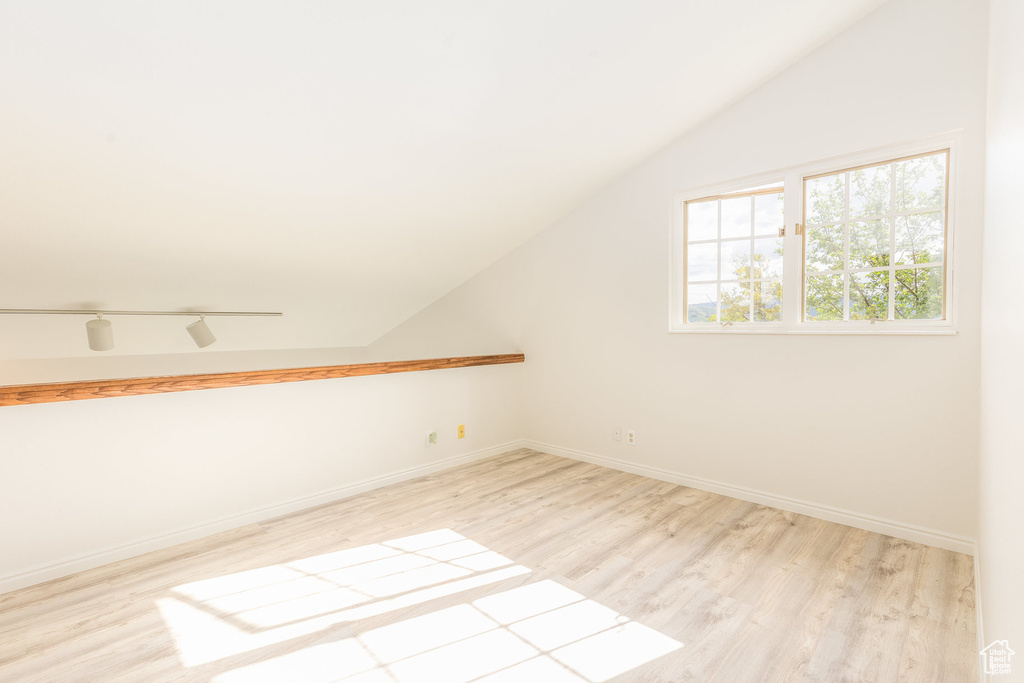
(344, 162)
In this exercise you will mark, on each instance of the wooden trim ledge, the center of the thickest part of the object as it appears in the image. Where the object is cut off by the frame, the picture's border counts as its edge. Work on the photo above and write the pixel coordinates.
(26, 394)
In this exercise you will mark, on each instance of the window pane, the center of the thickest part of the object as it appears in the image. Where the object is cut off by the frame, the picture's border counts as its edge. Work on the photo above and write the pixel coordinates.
(736, 217)
(920, 238)
(736, 260)
(768, 214)
(702, 261)
(870, 191)
(869, 295)
(702, 221)
(826, 199)
(767, 257)
(718, 257)
(735, 301)
(767, 300)
(919, 293)
(869, 244)
(921, 183)
(701, 304)
(825, 247)
(824, 297)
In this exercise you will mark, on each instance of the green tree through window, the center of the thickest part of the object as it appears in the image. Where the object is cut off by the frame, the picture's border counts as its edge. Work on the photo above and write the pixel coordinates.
(875, 242)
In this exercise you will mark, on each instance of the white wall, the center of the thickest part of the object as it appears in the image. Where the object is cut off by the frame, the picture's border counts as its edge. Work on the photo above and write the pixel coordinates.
(881, 426)
(87, 482)
(1002, 367)
(209, 360)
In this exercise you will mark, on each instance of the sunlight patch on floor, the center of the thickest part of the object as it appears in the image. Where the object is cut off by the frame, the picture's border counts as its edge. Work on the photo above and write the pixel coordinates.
(541, 631)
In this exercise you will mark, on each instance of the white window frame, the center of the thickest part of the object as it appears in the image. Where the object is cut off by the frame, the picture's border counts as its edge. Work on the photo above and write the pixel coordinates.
(792, 180)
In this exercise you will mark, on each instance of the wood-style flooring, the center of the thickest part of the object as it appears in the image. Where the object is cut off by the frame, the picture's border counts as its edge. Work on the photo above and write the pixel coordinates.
(522, 567)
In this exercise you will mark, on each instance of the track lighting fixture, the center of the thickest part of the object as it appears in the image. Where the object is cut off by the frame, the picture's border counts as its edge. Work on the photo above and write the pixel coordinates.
(201, 333)
(101, 333)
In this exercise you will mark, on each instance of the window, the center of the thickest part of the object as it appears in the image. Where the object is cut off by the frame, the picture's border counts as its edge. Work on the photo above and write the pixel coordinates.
(875, 241)
(733, 249)
(857, 245)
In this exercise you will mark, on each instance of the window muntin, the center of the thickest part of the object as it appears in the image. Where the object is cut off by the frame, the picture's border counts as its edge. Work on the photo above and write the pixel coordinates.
(875, 241)
(733, 255)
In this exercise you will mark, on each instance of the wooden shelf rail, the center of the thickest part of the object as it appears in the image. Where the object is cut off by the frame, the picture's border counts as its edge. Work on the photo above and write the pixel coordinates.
(26, 394)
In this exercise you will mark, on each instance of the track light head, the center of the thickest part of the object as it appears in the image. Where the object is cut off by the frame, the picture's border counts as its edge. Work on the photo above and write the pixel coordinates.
(201, 333)
(100, 333)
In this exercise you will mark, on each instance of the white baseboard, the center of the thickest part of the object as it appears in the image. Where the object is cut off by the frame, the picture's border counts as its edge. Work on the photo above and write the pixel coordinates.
(909, 532)
(80, 563)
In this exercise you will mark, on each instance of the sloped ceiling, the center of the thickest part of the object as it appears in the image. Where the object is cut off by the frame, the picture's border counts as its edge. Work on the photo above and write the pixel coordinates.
(346, 163)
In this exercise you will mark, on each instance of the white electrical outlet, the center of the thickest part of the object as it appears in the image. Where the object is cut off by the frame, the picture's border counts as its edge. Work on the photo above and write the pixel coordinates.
(630, 437)
(432, 439)
(617, 434)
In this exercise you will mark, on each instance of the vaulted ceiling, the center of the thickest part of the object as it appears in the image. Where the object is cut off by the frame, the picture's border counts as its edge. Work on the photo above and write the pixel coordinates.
(346, 163)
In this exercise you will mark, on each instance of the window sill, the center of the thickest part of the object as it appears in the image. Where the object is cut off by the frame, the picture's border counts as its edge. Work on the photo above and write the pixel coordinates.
(944, 330)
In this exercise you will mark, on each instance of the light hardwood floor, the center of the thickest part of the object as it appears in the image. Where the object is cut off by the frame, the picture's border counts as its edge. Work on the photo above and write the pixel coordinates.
(522, 567)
